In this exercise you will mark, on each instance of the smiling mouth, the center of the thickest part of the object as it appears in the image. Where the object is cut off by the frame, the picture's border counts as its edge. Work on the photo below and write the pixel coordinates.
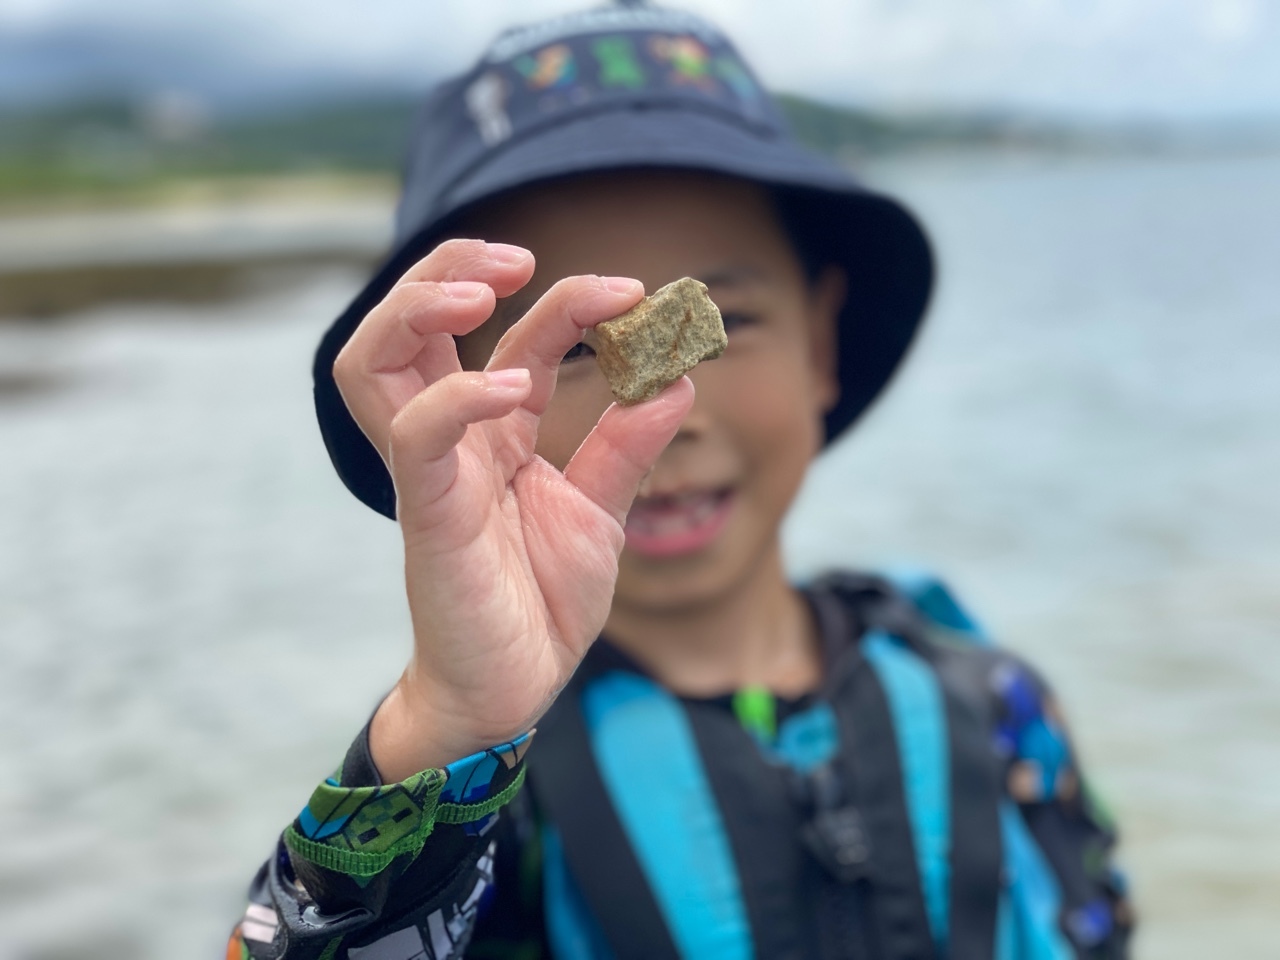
(668, 526)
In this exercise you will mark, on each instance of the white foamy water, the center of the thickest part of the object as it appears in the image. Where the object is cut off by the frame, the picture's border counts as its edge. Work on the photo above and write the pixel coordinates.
(196, 617)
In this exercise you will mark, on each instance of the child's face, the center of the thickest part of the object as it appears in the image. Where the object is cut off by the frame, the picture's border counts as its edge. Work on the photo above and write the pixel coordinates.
(712, 510)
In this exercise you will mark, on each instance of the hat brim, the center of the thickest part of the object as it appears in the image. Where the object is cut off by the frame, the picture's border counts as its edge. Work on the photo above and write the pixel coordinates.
(879, 244)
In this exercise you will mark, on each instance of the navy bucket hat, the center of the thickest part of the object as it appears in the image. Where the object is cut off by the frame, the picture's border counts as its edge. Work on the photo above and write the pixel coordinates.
(635, 87)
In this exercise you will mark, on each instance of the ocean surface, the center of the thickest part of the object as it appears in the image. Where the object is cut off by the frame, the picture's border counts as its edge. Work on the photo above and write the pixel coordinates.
(195, 617)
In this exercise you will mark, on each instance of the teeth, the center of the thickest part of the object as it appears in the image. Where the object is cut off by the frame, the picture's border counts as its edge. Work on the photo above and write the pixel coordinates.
(659, 516)
(677, 500)
(667, 501)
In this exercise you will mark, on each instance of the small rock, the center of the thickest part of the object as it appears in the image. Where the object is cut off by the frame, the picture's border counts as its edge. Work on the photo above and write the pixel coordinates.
(659, 340)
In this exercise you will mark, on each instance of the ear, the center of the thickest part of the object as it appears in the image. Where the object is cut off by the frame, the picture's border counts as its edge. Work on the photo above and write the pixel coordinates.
(826, 299)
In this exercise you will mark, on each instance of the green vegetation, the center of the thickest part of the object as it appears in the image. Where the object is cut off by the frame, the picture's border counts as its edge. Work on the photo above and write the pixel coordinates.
(116, 150)
(842, 131)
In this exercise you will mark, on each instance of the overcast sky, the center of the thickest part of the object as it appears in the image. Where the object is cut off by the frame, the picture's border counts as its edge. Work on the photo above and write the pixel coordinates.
(1108, 59)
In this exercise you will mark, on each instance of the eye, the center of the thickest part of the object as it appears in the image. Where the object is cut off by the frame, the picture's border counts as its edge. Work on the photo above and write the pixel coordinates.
(579, 351)
(736, 320)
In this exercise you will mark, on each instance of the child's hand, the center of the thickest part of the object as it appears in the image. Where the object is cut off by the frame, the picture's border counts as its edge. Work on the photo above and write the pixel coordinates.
(510, 564)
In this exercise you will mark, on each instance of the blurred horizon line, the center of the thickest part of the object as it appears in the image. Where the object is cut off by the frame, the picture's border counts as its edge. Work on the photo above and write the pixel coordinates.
(1130, 79)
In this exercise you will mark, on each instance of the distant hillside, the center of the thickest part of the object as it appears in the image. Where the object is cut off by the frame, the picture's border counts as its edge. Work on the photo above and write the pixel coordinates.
(119, 147)
(848, 131)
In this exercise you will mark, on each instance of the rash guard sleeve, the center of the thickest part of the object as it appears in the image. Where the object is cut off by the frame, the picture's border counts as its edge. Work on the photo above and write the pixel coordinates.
(373, 871)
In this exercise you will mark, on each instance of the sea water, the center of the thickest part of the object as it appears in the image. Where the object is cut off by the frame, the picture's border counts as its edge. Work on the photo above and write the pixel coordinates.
(196, 617)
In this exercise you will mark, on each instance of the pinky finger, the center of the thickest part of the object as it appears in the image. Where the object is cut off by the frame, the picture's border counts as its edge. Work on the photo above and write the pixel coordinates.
(427, 430)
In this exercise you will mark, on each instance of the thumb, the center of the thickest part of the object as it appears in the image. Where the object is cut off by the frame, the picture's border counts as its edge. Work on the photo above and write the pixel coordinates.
(624, 446)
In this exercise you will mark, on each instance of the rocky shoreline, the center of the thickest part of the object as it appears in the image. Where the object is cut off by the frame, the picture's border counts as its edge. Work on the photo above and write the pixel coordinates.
(59, 263)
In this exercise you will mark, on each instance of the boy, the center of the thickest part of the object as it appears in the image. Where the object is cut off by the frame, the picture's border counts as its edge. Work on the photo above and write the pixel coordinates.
(738, 767)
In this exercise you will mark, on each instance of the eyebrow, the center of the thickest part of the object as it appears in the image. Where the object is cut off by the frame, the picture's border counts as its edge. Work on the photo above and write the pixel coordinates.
(736, 275)
(512, 308)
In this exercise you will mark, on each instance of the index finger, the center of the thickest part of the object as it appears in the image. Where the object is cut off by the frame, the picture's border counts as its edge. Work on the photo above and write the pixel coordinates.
(539, 340)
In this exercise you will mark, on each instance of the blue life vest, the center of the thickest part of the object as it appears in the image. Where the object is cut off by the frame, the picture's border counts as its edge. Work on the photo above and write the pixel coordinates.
(672, 832)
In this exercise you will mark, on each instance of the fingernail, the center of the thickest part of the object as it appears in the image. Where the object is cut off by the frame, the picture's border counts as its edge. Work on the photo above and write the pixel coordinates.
(622, 285)
(507, 253)
(510, 378)
(464, 289)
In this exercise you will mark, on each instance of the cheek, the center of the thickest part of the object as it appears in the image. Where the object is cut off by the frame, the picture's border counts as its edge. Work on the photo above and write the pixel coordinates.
(779, 414)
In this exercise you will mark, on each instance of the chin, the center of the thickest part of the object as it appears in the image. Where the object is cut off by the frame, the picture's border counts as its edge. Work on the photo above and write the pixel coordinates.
(666, 596)
(674, 585)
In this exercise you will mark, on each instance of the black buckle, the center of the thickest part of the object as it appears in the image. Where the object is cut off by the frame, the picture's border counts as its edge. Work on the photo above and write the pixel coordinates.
(835, 834)
(838, 839)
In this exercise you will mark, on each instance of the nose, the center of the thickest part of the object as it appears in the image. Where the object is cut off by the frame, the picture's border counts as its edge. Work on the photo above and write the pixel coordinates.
(698, 422)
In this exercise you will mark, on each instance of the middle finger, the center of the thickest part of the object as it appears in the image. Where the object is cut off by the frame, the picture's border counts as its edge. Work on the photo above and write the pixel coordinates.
(540, 339)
